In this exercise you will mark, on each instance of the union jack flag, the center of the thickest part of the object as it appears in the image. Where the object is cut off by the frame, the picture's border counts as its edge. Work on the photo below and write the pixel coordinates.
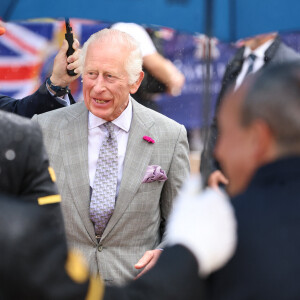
(21, 59)
(27, 51)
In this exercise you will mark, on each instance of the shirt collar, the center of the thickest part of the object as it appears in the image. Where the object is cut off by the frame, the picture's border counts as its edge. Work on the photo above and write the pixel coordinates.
(123, 121)
(260, 51)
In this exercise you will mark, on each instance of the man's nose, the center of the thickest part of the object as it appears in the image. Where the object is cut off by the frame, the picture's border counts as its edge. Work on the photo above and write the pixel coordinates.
(99, 84)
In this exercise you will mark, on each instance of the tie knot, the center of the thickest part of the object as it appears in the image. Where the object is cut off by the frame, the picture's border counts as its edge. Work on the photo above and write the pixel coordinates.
(109, 127)
(252, 57)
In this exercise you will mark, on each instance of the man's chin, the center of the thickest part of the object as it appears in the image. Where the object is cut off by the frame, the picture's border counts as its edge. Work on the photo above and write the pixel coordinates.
(101, 113)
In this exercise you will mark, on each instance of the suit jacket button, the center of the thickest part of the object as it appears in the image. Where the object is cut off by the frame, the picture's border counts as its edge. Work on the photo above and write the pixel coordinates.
(100, 248)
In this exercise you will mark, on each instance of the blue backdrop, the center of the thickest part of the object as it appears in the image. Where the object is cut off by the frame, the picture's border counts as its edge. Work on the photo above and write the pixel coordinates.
(232, 19)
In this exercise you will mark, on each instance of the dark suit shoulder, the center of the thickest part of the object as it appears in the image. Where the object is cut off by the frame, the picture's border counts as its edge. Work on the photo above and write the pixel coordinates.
(23, 158)
(20, 126)
(284, 53)
(13, 119)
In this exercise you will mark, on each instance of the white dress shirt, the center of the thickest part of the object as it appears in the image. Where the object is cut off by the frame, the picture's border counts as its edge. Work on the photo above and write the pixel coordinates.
(96, 137)
(258, 63)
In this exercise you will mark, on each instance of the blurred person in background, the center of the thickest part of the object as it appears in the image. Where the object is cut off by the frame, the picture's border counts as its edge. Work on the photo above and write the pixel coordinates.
(256, 53)
(35, 262)
(161, 75)
(24, 164)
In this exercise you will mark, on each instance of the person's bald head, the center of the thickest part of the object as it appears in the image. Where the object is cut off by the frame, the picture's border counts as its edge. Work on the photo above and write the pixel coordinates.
(258, 40)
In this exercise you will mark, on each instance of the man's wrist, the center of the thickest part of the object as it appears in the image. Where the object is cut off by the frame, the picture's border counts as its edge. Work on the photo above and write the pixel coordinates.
(57, 91)
(58, 81)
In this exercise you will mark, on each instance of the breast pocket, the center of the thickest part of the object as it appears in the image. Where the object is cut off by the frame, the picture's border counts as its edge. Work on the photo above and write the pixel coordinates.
(150, 186)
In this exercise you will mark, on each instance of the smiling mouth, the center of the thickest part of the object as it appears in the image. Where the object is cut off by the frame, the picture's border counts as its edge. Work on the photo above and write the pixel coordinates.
(101, 101)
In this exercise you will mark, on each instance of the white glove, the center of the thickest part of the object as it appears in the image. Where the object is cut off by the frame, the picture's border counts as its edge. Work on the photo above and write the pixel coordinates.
(203, 222)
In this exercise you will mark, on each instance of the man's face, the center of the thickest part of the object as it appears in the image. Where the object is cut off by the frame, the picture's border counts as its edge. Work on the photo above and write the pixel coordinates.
(234, 146)
(106, 85)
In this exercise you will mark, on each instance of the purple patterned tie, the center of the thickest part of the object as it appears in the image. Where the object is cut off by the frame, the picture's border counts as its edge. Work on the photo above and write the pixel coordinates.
(105, 182)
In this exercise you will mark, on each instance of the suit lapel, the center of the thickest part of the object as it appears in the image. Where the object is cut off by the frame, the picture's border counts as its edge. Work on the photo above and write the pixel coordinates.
(236, 65)
(137, 159)
(74, 142)
(270, 52)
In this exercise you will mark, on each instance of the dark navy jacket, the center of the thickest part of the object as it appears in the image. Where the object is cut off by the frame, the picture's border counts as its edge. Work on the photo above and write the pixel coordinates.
(39, 102)
(266, 264)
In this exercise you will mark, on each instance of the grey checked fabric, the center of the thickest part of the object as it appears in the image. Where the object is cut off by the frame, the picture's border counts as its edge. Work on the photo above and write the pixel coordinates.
(148, 203)
(105, 183)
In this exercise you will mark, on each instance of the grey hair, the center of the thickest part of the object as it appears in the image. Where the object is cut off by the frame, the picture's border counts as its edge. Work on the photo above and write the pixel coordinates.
(134, 61)
(274, 97)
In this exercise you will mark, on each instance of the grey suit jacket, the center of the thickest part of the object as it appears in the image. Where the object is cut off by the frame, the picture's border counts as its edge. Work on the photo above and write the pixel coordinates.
(141, 209)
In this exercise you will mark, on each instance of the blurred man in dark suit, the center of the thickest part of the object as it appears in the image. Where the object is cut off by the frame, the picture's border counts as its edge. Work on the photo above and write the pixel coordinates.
(256, 53)
(259, 151)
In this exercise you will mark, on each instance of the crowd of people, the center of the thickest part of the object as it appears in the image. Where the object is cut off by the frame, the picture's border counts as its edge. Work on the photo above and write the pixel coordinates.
(96, 197)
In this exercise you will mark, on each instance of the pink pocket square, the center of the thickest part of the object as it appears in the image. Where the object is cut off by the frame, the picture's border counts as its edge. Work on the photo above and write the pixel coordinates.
(154, 173)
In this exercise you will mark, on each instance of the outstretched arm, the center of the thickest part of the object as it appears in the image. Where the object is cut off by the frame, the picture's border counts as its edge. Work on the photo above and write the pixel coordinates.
(165, 71)
(42, 100)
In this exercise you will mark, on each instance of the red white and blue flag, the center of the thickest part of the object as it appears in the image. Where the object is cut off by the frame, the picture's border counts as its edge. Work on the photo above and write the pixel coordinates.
(21, 59)
(27, 51)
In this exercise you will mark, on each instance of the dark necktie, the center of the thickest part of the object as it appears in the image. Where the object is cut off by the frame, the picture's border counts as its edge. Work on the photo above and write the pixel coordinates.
(251, 59)
(105, 183)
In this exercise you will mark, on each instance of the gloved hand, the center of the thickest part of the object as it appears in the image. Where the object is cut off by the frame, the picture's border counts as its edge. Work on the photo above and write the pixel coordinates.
(203, 222)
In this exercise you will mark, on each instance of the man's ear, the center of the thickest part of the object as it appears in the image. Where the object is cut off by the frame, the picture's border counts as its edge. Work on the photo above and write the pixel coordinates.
(135, 86)
(263, 141)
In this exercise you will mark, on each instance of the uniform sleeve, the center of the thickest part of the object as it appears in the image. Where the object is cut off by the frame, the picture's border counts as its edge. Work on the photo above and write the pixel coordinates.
(39, 178)
(35, 262)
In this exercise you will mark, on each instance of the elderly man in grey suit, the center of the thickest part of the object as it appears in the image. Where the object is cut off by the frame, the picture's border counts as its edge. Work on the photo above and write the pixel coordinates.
(119, 165)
